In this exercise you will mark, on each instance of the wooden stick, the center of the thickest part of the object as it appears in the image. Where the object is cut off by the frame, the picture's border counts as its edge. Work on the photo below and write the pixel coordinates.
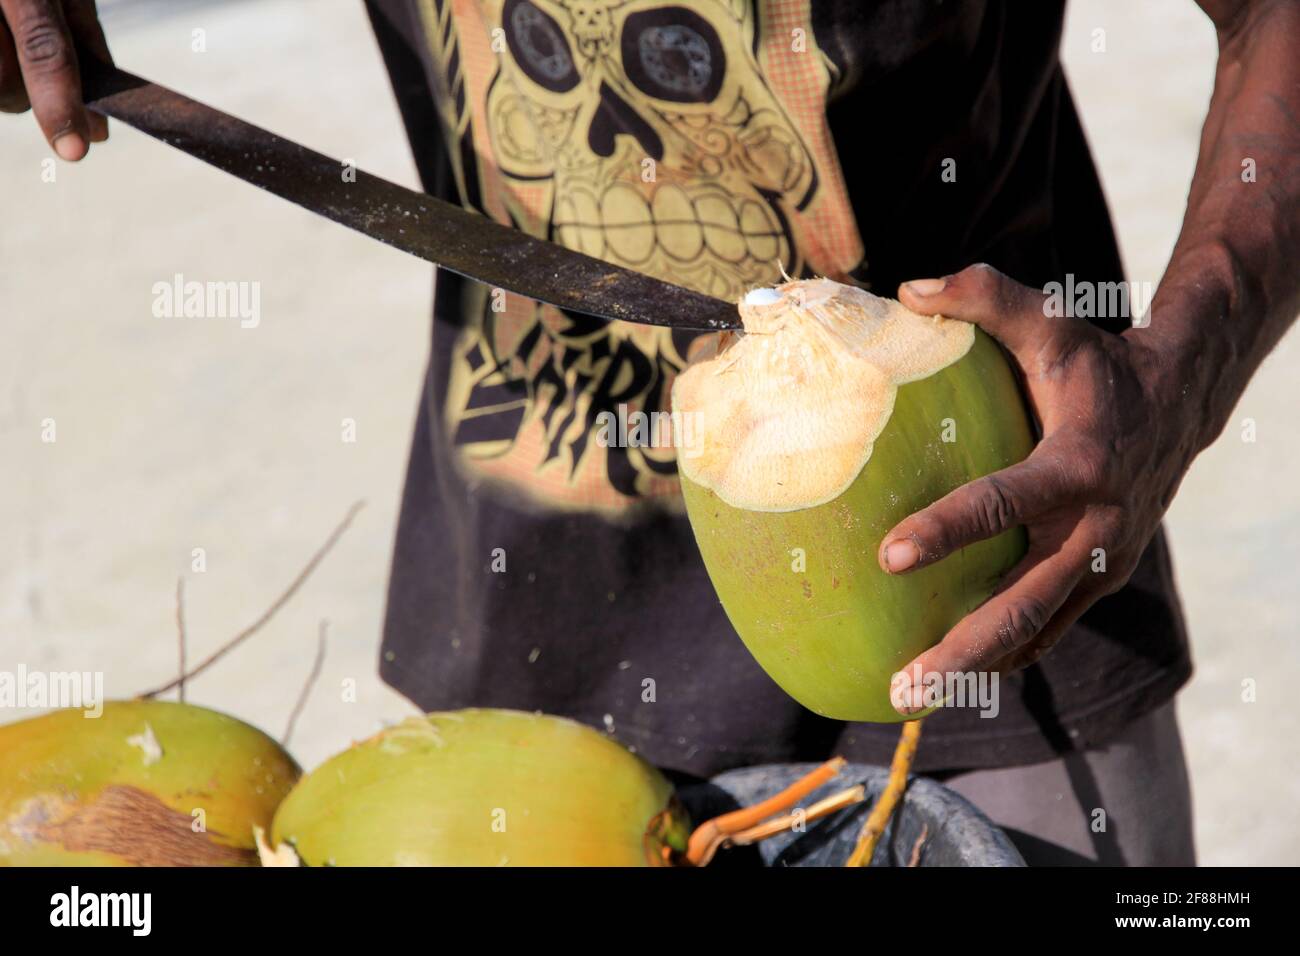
(283, 599)
(878, 819)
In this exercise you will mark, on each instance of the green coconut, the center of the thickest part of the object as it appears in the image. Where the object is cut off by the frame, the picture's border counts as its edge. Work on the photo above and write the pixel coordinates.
(146, 783)
(481, 788)
(832, 417)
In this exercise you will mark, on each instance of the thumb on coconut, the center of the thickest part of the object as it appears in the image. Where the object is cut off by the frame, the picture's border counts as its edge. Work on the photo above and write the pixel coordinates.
(1010, 312)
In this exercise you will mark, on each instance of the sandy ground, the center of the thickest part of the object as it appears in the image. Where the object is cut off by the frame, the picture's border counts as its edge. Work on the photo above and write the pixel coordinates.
(177, 434)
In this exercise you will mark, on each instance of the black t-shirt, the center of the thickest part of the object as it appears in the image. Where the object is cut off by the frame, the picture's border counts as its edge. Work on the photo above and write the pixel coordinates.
(711, 143)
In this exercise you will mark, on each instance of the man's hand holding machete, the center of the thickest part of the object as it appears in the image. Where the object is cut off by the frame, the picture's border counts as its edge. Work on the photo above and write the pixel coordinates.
(38, 69)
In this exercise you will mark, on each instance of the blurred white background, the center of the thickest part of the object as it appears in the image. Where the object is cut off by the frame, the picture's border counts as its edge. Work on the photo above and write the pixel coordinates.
(179, 434)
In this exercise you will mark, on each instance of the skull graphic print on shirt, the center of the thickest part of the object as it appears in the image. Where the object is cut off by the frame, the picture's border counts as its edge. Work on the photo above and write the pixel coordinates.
(686, 141)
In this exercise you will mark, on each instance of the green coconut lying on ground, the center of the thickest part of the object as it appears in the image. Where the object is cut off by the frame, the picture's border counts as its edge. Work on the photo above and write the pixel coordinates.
(833, 416)
(481, 788)
(147, 783)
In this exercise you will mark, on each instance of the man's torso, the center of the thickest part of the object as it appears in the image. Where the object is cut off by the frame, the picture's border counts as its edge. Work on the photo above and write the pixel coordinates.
(712, 144)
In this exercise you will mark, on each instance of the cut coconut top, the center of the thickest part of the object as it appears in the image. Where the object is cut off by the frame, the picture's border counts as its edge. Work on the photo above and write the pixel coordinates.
(787, 411)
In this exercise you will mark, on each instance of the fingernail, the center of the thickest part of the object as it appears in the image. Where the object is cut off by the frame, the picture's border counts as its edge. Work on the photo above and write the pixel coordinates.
(901, 555)
(70, 146)
(925, 287)
(902, 694)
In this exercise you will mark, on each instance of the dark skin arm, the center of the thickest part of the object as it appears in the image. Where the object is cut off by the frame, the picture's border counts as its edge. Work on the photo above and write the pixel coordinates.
(38, 69)
(1123, 415)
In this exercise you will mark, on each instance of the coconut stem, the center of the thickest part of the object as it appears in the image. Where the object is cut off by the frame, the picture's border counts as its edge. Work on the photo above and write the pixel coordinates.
(822, 808)
(915, 859)
(878, 819)
(713, 834)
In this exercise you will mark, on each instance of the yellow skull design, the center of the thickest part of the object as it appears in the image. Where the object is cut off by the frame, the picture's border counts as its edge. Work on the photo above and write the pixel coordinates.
(661, 145)
(649, 135)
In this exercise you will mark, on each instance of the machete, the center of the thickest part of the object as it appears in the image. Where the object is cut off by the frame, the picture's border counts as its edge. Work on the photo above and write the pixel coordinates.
(453, 238)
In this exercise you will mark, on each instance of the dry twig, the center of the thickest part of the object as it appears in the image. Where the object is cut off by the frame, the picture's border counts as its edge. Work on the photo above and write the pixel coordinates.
(269, 612)
(306, 688)
(180, 636)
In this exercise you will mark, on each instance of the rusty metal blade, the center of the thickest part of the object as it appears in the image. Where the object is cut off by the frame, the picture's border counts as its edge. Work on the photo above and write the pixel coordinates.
(439, 232)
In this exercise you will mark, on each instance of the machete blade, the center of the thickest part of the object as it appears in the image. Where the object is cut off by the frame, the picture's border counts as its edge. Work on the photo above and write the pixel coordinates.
(442, 233)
